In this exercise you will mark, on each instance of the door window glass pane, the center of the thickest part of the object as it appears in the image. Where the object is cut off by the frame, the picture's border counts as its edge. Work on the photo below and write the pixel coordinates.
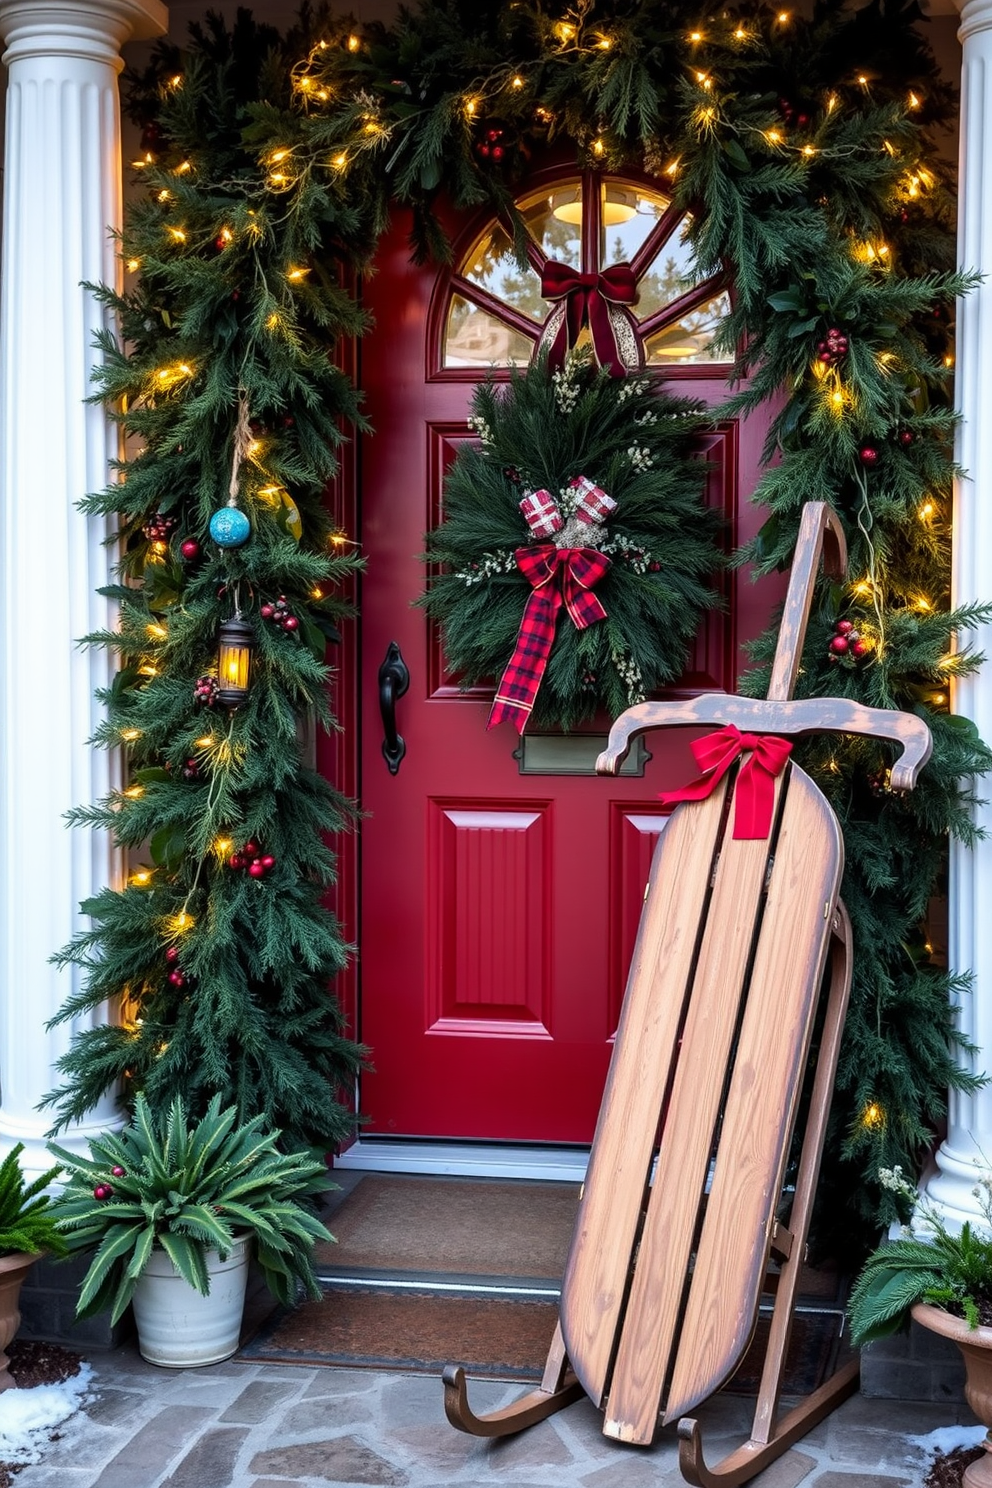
(474, 338)
(554, 221)
(492, 265)
(627, 215)
(691, 338)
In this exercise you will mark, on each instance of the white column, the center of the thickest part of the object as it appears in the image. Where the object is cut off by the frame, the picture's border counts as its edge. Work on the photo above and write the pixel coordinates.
(969, 1136)
(62, 195)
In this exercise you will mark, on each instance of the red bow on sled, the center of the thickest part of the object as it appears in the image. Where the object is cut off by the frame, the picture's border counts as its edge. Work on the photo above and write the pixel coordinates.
(558, 576)
(715, 753)
(586, 299)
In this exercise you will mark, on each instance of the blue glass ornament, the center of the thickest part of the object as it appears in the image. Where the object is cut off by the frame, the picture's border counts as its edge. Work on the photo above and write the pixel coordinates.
(229, 527)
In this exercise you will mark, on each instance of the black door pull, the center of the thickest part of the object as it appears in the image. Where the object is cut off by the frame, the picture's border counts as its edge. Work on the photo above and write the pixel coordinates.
(394, 679)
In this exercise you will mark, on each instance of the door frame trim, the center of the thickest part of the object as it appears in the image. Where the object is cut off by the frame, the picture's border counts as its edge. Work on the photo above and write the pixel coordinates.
(467, 1159)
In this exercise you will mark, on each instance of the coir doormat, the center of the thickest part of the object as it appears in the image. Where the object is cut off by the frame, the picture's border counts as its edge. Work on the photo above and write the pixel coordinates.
(374, 1328)
(430, 1271)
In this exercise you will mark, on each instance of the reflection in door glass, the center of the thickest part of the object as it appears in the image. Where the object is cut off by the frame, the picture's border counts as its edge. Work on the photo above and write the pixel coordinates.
(627, 217)
(492, 265)
(474, 338)
(691, 338)
(670, 274)
(554, 221)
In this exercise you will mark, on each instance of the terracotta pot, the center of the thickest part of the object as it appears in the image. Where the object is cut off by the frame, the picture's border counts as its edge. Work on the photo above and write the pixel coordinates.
(13, 1269)
(976, 1349)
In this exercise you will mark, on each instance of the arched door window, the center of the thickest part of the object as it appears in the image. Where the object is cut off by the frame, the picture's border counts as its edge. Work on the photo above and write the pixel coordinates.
(495, 311)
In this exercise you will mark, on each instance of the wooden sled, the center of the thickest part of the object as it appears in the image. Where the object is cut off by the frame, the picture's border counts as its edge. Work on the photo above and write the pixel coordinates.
(677, 1219)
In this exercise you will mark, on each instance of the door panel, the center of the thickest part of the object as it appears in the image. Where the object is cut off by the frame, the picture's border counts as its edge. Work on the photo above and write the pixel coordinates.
(499, 906)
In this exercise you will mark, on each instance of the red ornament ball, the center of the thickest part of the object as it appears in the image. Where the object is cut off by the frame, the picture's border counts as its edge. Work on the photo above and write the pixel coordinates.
(498, 152)
(190, 549)
(268, 862)
(906, 437)
(118, 1172)
(256, 869)
(172, 953)
(267, 611)
(845, 626)
(250, 849)
(867, 455)
(177, 978)
(236, 860)
(290, 623)
(859, 648)
(839, 645)
(103, 1191)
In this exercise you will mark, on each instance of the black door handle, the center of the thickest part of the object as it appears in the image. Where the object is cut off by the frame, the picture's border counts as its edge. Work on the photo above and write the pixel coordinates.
(394, 679)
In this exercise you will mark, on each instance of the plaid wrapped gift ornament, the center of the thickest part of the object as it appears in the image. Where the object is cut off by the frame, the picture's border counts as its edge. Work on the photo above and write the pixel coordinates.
(592, 504)
(541, 513)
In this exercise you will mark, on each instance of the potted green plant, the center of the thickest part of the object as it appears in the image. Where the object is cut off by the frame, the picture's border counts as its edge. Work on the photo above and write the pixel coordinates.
(172, 1211)
(943, 1280)
(28, 1229)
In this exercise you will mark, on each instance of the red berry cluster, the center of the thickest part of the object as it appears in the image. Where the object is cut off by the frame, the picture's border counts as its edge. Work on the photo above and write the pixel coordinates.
(490, 148)
(176, 976)
(279, 613)
(847, 641)
(103, 1191)
(158, 527)
(834, 348)
(206, 691)
(251, 857)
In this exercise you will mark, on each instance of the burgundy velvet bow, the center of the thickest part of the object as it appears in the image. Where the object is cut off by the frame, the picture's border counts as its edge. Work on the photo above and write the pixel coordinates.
(586, 297)
(715, 753)
(558, 576)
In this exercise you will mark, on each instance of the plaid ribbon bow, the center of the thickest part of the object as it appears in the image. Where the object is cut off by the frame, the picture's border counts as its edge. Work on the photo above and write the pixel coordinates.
(558, 576)
(586, 299)
(715, 753)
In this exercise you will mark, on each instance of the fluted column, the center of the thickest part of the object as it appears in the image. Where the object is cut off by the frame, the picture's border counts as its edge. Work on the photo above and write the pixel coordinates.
(62, 196)
(969, 1136)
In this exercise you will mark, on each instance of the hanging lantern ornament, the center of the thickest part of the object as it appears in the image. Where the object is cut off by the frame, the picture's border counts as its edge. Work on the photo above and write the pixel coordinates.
(237, 646)
(229, 527)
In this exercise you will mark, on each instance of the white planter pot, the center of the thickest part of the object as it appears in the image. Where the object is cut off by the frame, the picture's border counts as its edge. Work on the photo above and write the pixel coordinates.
(180, 1329)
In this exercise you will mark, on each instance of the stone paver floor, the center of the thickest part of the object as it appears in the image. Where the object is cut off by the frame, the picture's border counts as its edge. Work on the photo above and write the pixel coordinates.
(247, 1425)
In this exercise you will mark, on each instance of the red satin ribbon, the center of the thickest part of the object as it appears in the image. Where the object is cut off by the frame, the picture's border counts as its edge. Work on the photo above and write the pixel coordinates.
(715, 753)
(586, 297)
(558, 576)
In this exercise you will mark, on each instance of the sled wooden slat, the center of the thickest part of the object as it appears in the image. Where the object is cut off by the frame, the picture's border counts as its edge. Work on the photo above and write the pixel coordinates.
(619, 1165)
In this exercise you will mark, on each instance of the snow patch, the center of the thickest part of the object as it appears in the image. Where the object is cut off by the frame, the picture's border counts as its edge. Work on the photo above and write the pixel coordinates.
(947, 1438)
(28, 1417)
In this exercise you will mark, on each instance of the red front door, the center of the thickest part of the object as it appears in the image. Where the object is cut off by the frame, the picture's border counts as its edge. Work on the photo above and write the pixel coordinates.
(500, 890)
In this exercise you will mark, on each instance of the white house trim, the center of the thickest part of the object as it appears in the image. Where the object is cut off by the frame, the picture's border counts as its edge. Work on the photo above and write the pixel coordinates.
(969, 1136)
(62, 194)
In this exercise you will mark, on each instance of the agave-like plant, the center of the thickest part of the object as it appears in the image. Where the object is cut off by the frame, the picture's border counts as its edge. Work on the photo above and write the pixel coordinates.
(27, 1221)
(188, 1189)
(927, 1263)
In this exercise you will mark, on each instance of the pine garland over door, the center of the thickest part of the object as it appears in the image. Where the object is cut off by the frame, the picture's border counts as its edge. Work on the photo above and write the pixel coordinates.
(803, 150)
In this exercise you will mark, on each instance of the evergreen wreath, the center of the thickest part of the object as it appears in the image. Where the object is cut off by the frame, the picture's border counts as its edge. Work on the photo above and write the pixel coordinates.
(803, 150)
(540, 433)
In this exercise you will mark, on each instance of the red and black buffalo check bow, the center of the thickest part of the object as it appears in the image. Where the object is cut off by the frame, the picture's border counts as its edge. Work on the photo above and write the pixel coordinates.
(558, 576)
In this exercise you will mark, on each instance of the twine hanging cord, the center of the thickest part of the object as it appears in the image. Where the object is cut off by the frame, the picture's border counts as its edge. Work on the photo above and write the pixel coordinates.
(242, 439)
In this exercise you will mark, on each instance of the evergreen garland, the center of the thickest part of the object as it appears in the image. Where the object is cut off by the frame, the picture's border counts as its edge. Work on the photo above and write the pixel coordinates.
(635, 444)
(221, 364)
(803, 150)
